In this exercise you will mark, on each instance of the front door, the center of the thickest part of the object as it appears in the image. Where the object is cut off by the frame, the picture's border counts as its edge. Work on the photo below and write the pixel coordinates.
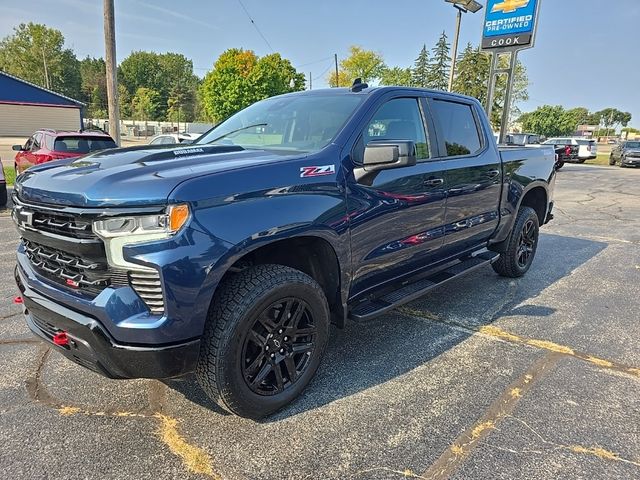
(473, 175)
(396, 216)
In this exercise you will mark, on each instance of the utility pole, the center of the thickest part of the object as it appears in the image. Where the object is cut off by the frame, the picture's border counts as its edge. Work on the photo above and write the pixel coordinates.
(455, 48)
(335, 58)
(110, 60)
(46, 70)
(310, 82)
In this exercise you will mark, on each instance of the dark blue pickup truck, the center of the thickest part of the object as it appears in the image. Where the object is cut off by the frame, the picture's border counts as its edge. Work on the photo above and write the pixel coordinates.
(230, 257)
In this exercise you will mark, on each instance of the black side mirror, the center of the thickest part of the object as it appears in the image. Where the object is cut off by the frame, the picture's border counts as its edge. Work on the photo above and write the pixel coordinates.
(17, 148)
(383, 155)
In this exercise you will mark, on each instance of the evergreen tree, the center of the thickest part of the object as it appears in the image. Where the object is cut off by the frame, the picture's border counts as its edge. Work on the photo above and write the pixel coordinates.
(472, 73)
(420, 70)
(438, 77)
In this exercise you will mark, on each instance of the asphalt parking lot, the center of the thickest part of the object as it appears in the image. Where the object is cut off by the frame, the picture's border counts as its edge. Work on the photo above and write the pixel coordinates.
(484, 378)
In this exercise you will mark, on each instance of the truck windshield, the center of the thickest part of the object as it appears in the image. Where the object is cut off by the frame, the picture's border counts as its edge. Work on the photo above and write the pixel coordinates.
(301, 123)
(632, 145)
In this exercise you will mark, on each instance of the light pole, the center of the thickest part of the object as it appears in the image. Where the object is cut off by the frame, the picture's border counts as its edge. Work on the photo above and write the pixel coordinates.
(463, 6)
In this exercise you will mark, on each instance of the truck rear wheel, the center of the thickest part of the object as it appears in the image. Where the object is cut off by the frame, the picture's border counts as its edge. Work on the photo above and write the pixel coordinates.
(612, 161)
(521, 246)
(266, 333)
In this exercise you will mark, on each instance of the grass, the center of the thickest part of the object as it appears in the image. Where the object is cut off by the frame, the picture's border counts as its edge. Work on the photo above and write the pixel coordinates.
(602, 159)
(9, 175)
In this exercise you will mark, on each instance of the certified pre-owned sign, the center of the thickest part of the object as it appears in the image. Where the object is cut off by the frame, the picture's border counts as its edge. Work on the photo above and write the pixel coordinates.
(509, 23)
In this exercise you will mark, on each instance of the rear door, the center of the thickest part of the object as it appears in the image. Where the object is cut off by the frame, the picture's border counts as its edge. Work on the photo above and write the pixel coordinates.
(396, 216)
(473, 174)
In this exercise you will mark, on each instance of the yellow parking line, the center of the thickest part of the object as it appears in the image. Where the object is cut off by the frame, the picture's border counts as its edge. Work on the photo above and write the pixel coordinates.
(495, 332)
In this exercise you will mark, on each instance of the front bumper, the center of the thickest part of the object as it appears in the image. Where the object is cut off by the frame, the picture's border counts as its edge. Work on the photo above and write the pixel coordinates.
(91, 346)
(630, 161)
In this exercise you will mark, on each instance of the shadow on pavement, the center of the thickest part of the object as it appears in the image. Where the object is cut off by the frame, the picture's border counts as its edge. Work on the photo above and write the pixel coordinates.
(362, 356)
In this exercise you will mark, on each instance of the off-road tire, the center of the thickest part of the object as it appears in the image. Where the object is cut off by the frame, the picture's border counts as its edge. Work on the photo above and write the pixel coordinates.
(507, 264)
(234, 310)
(612, 161)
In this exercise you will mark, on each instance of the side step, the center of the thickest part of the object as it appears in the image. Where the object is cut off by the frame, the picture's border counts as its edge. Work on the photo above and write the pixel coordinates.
(369, 310)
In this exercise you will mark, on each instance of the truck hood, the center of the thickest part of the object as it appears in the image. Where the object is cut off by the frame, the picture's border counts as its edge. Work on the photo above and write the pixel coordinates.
(135, 176)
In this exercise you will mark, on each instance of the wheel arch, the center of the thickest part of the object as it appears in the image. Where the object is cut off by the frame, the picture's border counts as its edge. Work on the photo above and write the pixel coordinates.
(315, 254)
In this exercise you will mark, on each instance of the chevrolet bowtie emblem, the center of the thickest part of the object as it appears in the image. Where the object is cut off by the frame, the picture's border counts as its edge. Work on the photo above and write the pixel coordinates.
(509, 6)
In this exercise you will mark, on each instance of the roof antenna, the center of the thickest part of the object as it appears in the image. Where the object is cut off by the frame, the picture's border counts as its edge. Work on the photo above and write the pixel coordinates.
(358, 86)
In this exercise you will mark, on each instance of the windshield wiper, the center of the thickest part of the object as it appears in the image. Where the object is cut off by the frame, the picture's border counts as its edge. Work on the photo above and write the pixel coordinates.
(237, 130)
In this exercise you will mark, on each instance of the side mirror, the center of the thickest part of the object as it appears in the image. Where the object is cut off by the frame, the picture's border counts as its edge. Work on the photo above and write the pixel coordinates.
(17, 148)
(384, 155)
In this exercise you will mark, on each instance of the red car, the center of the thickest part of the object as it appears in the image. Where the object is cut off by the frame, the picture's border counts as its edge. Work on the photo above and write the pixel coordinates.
(46, 145)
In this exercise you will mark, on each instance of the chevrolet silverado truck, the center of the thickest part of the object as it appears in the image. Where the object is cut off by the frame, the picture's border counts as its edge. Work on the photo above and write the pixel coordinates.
(231, 257)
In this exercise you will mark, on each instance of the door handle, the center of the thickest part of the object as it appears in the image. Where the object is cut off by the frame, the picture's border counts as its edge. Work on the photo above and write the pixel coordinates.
(433, 182)
(492, 173)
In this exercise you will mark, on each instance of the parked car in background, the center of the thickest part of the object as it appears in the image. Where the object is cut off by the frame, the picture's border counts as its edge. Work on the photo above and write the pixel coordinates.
(626, 154)
(46, 145)
(522, 139)
(174, 138)
(3, 187)
(587, 148)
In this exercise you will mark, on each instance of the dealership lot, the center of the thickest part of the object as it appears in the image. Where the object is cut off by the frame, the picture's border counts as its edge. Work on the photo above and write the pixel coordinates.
(485, 377)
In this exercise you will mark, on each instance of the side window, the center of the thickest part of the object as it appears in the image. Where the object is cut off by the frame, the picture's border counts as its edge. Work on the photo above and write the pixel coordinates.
(37, 139)
(156, 141)
(458, 126)
(398, 119)
(27, 145)
(168, 140)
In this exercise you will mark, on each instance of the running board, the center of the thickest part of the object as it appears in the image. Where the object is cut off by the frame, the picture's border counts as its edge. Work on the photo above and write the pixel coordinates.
(407, 293)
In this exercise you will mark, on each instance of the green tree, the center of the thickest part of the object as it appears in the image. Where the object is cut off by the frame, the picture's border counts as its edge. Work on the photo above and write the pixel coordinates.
(124, 101)
(472, 73)
(274, 75)
(438, 77)
(145, 104)
(239, 78)
(397, 76)
(548, 120)
(580, 115)
(181, 104)
(36, 53)
(160, 72)
(94, 86)
(612, 118)
(365, 64)
(420, 72)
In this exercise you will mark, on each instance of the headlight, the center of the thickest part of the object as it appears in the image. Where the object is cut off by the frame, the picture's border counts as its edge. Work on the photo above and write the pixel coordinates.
(165, 224)
(117, 232)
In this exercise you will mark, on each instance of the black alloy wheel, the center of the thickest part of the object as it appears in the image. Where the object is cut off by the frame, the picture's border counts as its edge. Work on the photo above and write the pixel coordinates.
(526, 244)
(278, 347)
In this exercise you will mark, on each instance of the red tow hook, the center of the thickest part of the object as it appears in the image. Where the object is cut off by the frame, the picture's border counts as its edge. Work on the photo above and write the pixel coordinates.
(61, 339)
(18, 300)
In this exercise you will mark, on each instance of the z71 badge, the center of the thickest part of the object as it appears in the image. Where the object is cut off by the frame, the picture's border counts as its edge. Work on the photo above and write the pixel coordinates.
(317, 171)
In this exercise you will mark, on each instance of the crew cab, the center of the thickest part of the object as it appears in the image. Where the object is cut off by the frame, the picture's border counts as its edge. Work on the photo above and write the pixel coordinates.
(231, 257)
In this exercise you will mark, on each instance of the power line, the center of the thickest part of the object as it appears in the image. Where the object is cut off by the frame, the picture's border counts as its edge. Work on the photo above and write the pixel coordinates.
(324, 73)
(314, 62)
(255, 25)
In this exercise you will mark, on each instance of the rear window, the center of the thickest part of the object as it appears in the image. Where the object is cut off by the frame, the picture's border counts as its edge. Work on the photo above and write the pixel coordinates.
(459, 127)
(82, 144)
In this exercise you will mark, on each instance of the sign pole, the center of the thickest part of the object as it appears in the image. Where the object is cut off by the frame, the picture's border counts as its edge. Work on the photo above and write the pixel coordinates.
(506, 108)
(509, 26)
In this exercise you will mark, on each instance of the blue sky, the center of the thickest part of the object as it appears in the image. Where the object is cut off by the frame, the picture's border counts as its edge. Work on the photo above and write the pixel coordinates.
(584, 54)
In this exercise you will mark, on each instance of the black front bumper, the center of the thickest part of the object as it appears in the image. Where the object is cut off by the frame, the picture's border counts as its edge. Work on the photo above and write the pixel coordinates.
(91, 346)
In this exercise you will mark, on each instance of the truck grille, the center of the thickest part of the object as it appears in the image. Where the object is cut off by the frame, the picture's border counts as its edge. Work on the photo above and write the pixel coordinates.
(67, 269)
(148, 286)
(62, 224)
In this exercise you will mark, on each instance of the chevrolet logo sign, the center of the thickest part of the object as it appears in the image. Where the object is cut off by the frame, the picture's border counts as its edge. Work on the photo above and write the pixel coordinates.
(509, 6)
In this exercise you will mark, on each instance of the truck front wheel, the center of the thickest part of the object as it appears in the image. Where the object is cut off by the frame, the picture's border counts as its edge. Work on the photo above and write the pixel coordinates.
(266, 333)
(521, 246)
